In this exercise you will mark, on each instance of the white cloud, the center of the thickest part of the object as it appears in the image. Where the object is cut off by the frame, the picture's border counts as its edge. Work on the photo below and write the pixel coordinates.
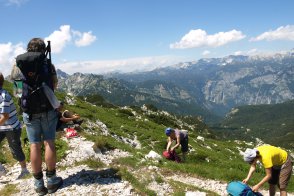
(205, 52)
(281, 33)
(199, 38)
(15, 2)
(253, 51)
(122, 65)
(8, 54)
(85, 39)
(60, 38)
(238, 52)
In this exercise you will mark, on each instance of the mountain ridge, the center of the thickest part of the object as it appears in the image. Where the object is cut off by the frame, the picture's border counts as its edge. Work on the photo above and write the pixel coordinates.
(214, 85)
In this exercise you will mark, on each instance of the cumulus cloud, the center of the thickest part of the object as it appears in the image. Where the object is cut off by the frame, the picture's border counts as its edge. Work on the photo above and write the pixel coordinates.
(122, 65)
(85, 39)
(281, 33)
(65, 35)
(60, 38)
(199, 38)
(8, 54)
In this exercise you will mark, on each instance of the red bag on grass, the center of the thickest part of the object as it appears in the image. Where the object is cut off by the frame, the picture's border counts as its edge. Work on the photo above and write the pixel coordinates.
(71, 133)
(171, 155)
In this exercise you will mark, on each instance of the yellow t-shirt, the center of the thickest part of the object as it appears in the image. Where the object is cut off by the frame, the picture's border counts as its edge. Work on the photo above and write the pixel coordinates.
(272, 156)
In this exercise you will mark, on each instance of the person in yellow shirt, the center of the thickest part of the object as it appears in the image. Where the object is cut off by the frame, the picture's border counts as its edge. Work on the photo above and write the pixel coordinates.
(278, 167)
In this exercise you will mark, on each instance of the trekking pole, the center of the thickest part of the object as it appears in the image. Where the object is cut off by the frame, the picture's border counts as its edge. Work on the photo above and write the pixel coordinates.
(48, 51)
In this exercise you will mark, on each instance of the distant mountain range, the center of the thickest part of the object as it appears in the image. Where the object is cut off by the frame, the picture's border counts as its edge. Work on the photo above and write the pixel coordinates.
(208, 87)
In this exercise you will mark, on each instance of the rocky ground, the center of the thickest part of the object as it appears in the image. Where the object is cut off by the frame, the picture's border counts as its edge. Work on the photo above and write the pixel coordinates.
(81, 180)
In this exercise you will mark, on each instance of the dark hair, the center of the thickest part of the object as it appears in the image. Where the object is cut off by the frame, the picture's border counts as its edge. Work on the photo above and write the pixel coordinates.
(36, 45)
(1, 79)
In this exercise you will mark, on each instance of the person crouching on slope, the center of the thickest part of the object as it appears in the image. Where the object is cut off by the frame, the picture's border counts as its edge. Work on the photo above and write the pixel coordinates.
(277, 164)
(181, 138)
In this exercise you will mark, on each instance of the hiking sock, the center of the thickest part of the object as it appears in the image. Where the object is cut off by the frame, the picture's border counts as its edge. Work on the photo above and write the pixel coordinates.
(50, 174)
(38, 176)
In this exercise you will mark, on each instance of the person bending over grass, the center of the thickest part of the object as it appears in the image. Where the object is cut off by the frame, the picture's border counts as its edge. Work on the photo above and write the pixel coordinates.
(181, 138)
(278, 167)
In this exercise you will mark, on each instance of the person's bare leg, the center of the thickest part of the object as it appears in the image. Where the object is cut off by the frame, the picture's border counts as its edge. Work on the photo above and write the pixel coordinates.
(272, 190)
(50, 154)
(36, 157)
(283, 192)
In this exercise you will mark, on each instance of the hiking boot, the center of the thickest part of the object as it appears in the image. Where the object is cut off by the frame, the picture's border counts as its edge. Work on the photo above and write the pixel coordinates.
(53, 183)
(39, 187)
(23, 174)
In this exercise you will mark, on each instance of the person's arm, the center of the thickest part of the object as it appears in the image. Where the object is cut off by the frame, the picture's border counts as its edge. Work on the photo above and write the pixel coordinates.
(169, 144)
(177, 144)
(68, 119)
(15, 73)
(54, 77)
(76, 116)
(68, 114)
(55, 81)
(3, 118)
(250, 173)
(268, 175)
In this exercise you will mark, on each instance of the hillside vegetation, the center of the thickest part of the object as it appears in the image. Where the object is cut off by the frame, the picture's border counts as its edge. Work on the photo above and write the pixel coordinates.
(271, 123)
(138, 130)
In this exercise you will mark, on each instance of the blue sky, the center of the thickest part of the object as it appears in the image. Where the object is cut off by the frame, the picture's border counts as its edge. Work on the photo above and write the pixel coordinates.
(97, 36)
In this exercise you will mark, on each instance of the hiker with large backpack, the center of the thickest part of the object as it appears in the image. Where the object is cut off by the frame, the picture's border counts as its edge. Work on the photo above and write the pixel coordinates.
(278, 167)
(37, 76)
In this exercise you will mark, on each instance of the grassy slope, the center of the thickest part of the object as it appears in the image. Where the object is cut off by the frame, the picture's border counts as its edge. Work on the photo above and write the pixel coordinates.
(271, 123)
(211, 158)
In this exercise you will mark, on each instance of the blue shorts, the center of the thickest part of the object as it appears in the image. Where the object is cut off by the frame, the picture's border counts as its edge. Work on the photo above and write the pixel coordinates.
(41, 127)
